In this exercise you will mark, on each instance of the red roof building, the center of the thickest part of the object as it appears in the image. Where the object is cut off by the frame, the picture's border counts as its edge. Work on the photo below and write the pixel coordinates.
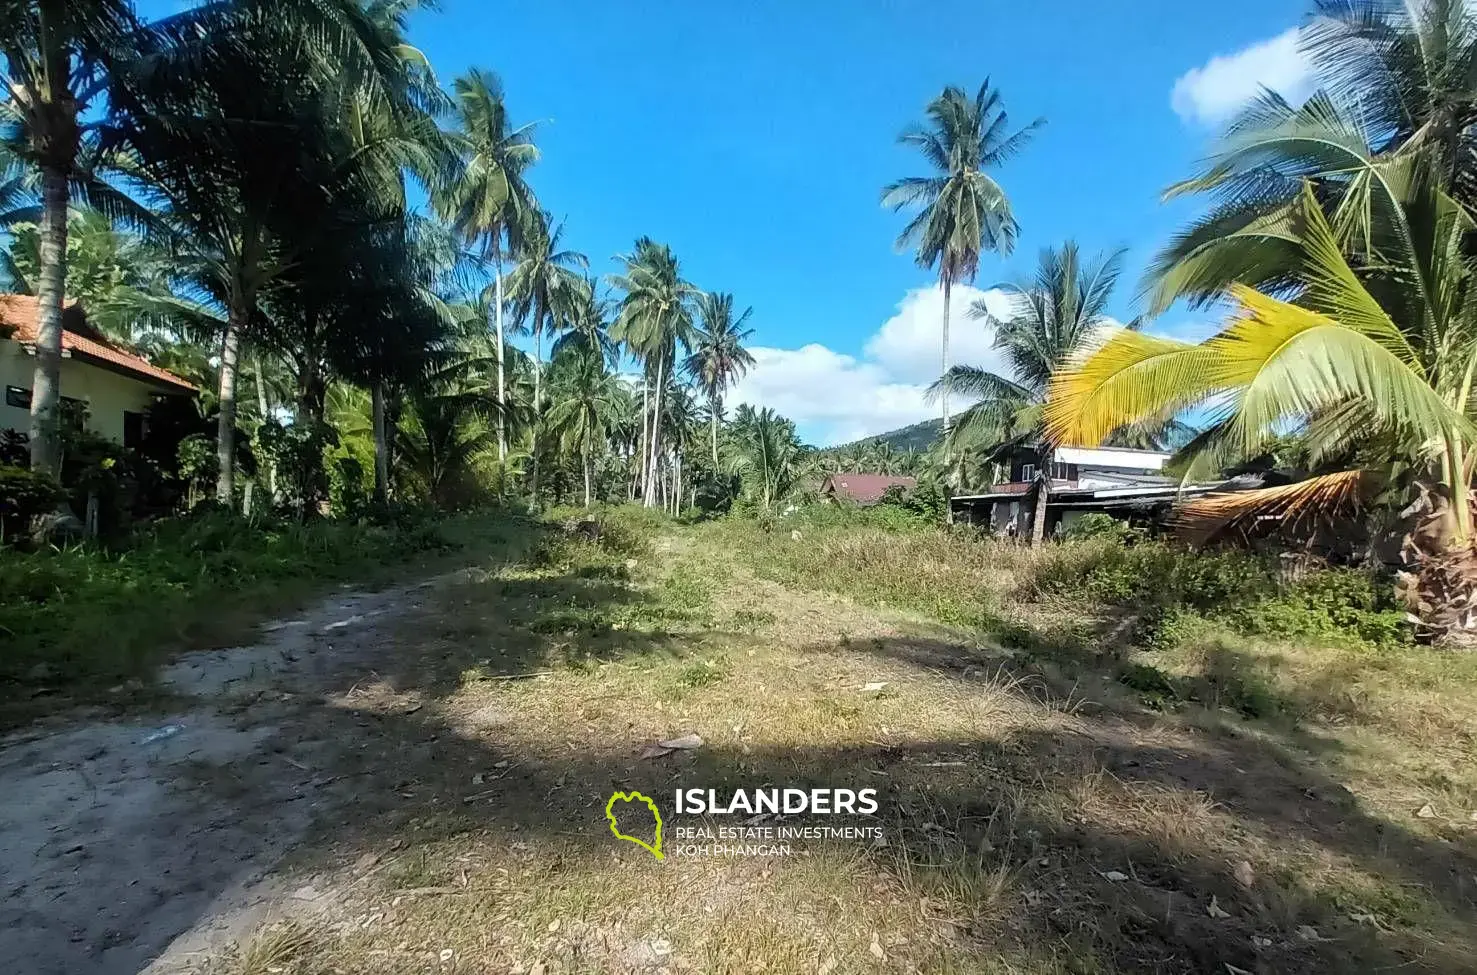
(114, 385)
(864, 489)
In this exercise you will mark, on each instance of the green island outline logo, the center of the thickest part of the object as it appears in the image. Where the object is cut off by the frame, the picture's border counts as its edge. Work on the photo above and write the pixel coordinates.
(634, 796)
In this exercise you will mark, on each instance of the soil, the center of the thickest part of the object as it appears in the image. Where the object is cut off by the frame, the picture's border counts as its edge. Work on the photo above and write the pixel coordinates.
(146, 845)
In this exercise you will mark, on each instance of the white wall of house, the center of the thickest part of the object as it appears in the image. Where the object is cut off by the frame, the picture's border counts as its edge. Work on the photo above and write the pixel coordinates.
(1114, 458)
(108, 394)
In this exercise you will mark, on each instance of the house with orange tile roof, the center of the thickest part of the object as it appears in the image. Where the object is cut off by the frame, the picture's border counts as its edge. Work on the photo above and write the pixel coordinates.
(114, 384)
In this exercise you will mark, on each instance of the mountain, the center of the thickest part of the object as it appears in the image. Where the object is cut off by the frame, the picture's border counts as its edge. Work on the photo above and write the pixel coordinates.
(918, 436)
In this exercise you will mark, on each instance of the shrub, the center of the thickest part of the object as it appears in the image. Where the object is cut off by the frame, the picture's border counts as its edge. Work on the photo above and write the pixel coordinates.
(94, 614)
(25, 495)
(1241, 589)
(1096, 524)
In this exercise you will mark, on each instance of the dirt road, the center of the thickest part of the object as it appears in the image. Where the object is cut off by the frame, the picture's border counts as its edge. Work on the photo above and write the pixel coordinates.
(142, 845)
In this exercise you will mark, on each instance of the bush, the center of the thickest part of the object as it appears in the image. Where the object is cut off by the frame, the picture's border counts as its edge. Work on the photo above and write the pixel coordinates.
(25, 495)
(1096, 524)
(1243, 590)
(93, 614)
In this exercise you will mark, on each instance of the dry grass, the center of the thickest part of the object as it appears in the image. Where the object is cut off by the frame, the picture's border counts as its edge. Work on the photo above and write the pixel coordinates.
(1037, 820)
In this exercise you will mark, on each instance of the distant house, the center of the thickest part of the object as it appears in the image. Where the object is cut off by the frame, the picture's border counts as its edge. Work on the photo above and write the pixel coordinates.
(114, 385)
(1114, 480)
(863, 489)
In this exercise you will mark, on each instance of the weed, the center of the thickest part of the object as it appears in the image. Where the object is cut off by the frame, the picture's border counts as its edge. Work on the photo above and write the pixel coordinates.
(703, 673)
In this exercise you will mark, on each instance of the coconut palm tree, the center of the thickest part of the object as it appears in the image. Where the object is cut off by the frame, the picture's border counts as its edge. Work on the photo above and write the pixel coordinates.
(767, 456)
(719, 356)
(491, 200)
(1392, 77)
(256, 149)
(1052, 317)
(962, 210)
(681, 423)
(586, 406)
(587, 325)
(543, 287)
(56, 67)
(655, 316)
(1372, 366)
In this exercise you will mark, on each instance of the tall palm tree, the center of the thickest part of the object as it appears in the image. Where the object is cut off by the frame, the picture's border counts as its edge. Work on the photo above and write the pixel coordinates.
(680, 425)
(1372, 367)
(719, 356)
(236, 137)
(1052, 317)
(57, 56)
(543, 286)
(586, 407)
(587, 324)
(962, 210)
(492, 199)
(655, 316)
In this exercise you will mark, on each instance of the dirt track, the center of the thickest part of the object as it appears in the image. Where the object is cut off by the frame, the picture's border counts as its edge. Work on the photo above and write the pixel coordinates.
(140, 845)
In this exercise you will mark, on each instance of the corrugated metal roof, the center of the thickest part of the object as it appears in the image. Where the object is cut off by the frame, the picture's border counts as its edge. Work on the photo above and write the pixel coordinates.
(866, 488)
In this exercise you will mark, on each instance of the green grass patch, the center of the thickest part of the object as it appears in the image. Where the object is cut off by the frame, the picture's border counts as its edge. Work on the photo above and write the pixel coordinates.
(87, 616)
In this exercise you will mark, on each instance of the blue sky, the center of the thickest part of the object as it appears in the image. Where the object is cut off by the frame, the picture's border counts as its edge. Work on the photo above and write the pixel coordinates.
(754, 138)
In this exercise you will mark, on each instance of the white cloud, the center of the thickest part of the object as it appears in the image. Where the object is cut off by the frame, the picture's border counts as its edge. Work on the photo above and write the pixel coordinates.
(836, 398)
(909, 342)
(1213, 92)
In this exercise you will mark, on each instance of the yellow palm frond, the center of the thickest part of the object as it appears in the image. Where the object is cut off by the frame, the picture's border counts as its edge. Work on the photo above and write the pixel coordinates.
(1127, 378)
(1288, 363)
(1332, 287)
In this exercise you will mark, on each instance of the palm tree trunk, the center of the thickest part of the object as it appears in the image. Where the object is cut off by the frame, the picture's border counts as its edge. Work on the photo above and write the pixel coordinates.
(1043, 495)
(46, 386)
(538, 405)
(261, 386)
(1457, 483)
(645, 418)
(714, 406)
(585, 457)
(656, 429)
(677, 489)
(264, 407)
(944, 371)
(225, 426)
(381, 444)
(502, 396)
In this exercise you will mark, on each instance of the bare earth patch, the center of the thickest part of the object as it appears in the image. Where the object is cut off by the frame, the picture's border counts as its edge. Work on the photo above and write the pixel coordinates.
(415, 781)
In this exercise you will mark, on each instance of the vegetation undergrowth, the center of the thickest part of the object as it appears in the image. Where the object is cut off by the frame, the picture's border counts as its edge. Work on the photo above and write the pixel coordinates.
(87, 616)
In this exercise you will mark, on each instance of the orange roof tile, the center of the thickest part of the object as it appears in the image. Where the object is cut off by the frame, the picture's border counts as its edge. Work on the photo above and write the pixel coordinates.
(21, 313)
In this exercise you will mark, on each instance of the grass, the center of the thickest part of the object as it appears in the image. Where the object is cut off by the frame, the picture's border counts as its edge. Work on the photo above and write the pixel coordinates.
(81, 620)
(1040, 816)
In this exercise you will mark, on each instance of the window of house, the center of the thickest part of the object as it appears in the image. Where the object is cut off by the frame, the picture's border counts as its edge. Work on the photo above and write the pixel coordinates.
(1028, 472)
(1061, 471)
(18, 397)
(73, 413)
(133, 430)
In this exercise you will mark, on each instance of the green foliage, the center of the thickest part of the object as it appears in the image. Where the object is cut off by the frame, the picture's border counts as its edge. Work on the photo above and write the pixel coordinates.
(297, 449)
(1096, 524)
(24, 495)
(95, 615)
(197, 462)
(1240, 589)
(349, 487)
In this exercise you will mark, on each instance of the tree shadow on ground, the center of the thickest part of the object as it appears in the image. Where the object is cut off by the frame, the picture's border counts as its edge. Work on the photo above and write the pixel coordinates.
(1105, 879)
(1033, 843)
(942, 803)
